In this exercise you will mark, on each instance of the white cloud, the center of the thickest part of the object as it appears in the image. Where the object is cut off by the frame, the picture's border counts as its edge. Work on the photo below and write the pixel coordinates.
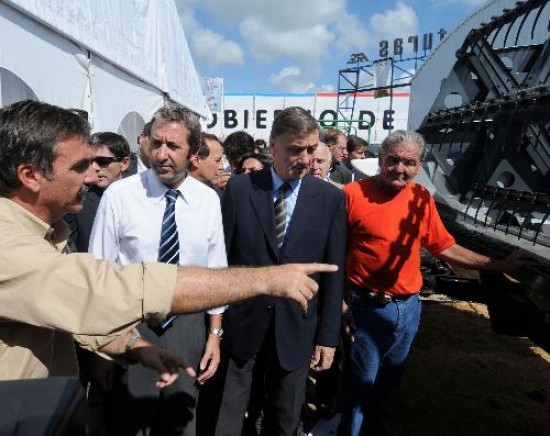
(210, 49)
(291, 79)
(283, 28)
(326, 88)
(306, 34)
(267, 43)
(393, 23)
(353, 35)
(281, 14)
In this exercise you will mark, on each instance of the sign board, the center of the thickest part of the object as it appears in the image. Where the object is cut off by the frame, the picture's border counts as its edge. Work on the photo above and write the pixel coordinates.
(254, 113)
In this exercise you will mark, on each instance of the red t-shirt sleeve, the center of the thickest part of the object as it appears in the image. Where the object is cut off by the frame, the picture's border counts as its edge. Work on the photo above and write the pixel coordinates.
(437, 238)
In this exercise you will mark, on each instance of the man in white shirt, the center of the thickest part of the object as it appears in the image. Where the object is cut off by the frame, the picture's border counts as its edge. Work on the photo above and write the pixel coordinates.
(127, 230)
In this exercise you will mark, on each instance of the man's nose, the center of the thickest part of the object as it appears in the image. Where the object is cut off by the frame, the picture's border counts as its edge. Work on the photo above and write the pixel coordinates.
(400, 166)
(305, 159)
(161, 152)
(95, 166)
(91, 178)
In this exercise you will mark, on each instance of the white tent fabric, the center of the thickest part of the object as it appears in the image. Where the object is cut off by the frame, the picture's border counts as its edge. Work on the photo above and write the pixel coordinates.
(108, 57)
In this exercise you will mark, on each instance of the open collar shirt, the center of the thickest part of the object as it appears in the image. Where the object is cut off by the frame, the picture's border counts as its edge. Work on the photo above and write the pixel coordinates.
(46, 295)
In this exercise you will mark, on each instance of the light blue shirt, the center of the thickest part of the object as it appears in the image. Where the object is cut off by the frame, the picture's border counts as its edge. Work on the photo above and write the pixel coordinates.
(291, 195)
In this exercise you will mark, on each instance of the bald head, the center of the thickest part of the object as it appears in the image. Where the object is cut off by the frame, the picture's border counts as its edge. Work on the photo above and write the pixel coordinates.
(320, 161)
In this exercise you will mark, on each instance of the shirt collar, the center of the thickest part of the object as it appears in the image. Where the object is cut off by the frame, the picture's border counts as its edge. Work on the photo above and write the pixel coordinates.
(57, 233)
(158, 189)
(277, 182)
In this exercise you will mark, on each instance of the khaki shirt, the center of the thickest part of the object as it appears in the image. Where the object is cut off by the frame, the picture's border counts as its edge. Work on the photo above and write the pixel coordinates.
(47, 296)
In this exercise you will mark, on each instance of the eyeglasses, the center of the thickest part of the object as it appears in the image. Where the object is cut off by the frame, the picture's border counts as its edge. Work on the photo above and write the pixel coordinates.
(105, 161)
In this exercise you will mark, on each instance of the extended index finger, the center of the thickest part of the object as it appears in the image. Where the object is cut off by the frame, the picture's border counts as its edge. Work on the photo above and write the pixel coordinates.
(312, 268)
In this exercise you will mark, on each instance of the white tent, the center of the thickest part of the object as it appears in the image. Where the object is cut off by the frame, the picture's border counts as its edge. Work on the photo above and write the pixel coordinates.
(118, 60)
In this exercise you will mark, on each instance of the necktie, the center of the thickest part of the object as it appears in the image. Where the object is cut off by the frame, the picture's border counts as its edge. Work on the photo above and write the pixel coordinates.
(280, 214)
(169, 247)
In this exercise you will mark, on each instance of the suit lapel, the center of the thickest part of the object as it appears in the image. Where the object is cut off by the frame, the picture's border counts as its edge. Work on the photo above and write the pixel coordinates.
(303, 212)
(262, 203)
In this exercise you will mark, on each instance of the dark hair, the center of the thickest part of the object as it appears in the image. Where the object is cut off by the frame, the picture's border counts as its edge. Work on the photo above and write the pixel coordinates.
(116, 144)
(294, 120)
(259, 157)
(238, 144)
(355, 142)
(331, 136)
(260, 143)
(80, 112)
(29, 134)
(204, 149)
(175, 113)
(147, 128)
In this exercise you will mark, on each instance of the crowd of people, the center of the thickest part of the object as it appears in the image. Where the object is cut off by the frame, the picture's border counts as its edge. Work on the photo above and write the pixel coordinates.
(128, 256)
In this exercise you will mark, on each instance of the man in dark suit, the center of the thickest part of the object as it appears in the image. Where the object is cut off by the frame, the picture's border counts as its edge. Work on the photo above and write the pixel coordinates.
(112, 159)
(336, 141)
(310, 226)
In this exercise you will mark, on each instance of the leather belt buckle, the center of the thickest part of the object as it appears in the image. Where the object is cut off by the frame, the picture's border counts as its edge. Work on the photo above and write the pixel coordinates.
(380, 298)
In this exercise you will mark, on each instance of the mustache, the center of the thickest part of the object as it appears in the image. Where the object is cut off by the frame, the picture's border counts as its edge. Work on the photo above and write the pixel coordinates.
(81, 196)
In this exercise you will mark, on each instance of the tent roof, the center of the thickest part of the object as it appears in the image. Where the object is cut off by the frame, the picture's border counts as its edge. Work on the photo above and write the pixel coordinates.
(144, 38)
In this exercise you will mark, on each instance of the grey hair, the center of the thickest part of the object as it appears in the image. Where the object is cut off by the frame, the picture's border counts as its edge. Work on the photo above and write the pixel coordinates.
(294, 120)
(401, 136)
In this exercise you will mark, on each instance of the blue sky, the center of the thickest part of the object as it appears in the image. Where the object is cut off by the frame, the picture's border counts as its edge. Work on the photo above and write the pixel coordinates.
(299, 45)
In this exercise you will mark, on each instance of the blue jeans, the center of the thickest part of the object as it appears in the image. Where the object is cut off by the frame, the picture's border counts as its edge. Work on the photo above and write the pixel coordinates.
(374, 364)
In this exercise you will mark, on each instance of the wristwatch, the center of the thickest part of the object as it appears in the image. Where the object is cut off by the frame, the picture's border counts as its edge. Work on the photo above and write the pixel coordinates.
(133, 338)
(216, 331)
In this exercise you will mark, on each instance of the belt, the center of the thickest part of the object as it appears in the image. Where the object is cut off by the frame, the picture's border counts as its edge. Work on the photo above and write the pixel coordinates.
(380, 297)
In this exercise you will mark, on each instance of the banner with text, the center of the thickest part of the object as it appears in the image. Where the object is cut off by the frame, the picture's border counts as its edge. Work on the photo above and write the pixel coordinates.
(254, 113)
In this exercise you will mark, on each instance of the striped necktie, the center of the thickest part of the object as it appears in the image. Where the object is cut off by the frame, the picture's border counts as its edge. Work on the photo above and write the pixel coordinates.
(169, 247)
(280, 214)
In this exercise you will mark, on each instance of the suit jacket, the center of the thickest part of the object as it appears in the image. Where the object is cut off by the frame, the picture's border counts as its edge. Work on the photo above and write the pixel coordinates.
(81, 223)
(316, 233)
(356, 174)
(339, 173)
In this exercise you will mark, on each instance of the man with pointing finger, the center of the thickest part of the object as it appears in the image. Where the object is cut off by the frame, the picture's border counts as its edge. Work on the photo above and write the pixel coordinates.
(48, 297)
(272, 217)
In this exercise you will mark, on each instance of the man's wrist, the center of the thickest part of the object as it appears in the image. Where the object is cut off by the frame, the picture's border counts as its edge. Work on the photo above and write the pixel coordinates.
(216, 331)
(134, 337)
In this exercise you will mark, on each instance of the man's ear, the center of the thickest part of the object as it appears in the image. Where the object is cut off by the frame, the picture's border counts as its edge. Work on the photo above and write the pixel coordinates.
(194, 160)
(125, 163)
(30, 177)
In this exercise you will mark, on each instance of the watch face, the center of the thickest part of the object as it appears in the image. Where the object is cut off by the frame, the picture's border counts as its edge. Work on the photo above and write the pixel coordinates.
(216, 331)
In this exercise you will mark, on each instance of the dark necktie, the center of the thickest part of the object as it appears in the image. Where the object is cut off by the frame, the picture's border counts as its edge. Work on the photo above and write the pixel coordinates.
(169, 247)
(280, 214)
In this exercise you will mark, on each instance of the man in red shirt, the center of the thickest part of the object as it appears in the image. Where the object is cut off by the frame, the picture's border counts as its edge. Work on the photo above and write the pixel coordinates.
(389, 219)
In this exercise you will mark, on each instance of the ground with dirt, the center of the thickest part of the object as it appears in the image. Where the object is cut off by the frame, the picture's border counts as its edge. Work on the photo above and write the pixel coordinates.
(464, 379)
